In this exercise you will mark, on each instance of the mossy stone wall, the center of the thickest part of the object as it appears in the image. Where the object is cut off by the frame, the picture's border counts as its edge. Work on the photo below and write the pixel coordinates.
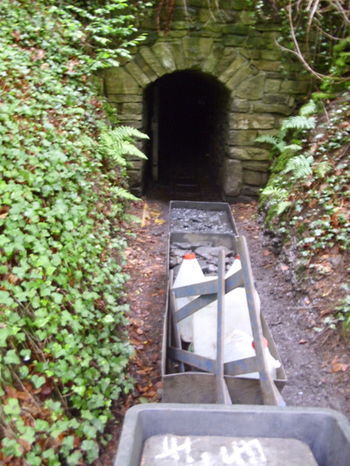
(238, 50)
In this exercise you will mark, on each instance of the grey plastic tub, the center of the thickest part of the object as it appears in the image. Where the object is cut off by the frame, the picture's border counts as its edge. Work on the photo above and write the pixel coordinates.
(325, 431)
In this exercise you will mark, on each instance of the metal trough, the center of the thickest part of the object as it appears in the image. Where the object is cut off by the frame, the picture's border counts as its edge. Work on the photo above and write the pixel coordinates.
(188, 378)
(325, 432)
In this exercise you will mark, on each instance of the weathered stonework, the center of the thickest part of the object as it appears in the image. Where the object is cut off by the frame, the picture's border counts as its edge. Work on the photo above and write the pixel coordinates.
(242, 55)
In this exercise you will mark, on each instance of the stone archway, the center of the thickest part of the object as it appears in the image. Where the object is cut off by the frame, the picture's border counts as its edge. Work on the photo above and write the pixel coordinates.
(188, 120)
(260, 96)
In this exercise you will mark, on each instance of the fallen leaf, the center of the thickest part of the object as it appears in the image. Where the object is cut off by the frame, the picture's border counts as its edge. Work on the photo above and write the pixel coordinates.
(159, 221)
(267, 253)
(302, 342)
(339, 366)
(284, 267)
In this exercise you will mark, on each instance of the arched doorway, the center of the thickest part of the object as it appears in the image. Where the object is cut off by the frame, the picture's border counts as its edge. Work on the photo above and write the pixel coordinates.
(187, 120)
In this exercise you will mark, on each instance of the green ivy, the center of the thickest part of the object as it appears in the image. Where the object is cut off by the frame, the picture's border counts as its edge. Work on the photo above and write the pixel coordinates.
(62, 195)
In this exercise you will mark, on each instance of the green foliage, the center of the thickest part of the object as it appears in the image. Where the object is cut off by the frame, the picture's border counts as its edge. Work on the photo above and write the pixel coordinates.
(63, 351)
(116, 143)
(315, 33)
(310, 193)
(300, 166)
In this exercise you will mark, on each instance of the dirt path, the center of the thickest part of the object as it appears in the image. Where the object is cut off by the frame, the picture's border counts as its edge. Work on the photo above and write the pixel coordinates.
(316, 365)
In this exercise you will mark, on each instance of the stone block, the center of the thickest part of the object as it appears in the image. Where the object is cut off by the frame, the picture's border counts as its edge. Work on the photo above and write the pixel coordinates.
(178, 55)
(251, 190)
(186, 25)
(177, 34)
(238, 4)
(137, 74)
(252, 88)
(251, 121)
(253, 178)
(204, 15)
(247, 18)
(152, 61)
(256, 166)
(234, 41)
(240, 105)
(228, 55)
(238, 153)
(232, 69)
(268, 26)
(121, 98)
(140, 62)
(295, 87)
(196, 50)
(256, 153)
(240, 76)
(232, 177)
(281, 99)
(270, 132)
(267, 65)
(129, 117)
(132, 108)
(272, 55)
(272, 86)
(262, 107)
(216, 28)
(165, 56)
(212, 60)
(250, 54)
(238, 29)
(119, 81)
(242, 138)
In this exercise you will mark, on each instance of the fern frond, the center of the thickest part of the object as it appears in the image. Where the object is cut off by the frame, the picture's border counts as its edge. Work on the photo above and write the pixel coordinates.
(322, 168)
(308, 109)
(293, 147)
(267, 138)
(122, 133)
(278, 194)
(276, 142)
(116, 144)
(282, 207)
(299, 122)
(300, 166)
(124, 194)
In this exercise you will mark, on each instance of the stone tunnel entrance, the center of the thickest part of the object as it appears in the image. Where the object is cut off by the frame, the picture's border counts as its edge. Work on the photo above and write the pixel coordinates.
(186, 116)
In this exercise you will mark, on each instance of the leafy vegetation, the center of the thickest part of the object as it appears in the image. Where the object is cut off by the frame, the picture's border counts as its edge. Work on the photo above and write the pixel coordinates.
(308, 195)
(63, 192)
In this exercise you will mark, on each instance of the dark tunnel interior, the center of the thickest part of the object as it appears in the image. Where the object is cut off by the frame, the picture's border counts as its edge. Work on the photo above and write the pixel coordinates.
(187, 123)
